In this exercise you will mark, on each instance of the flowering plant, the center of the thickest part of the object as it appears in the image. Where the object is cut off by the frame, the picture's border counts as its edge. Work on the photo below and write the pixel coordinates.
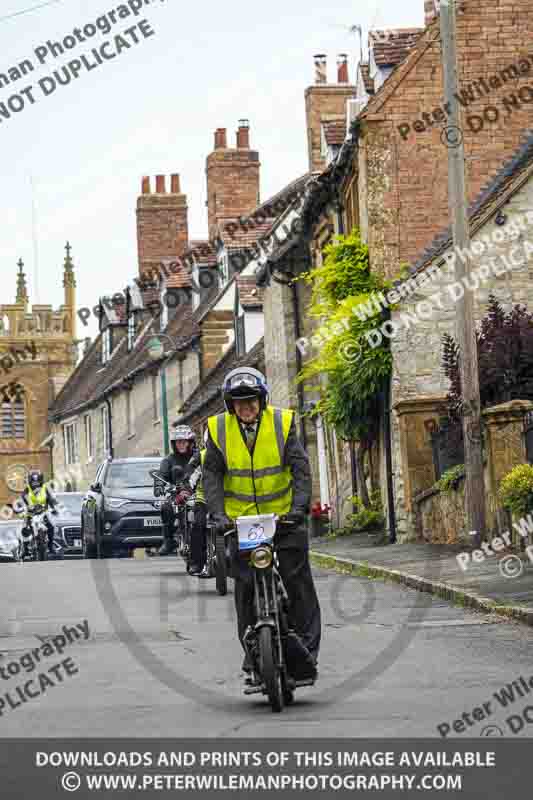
(318, 510)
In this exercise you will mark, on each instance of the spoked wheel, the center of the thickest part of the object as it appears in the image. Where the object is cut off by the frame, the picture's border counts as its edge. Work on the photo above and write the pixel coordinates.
(269, 672)
(221, 566)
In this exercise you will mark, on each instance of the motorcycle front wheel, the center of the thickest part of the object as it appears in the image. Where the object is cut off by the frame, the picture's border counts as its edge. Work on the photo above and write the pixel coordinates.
(42, 551)
(269, 671)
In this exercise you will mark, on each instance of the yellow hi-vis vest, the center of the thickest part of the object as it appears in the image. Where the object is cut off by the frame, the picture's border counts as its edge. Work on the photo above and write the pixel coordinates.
(38, 499)
(199, 491)
(255, 483)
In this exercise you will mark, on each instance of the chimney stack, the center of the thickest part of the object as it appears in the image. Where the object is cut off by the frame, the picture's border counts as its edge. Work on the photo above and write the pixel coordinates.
(221, 142)
(232, 178)
(162, 225)
(324, 102)
(243, 135)
(321, 68)
(431, 11)
(342, 68)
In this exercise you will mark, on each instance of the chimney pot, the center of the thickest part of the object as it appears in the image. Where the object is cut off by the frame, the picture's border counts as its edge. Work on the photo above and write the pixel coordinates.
(160, 184)
(175, 184)
(221, 139)
(321, 62)
(431, 11)
(145, 186)
(342, 68)
(243, 135)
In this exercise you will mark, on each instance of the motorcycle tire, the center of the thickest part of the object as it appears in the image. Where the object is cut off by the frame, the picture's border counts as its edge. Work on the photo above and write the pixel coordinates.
(269, 670)
(221, 566)
(42, 551)
(288, 694)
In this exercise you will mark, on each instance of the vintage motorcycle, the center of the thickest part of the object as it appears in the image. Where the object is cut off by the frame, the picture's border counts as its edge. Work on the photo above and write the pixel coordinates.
(184, 512)
(35, 535)
(272, 646)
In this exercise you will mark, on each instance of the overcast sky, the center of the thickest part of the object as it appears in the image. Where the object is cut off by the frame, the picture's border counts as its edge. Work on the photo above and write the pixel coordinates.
(153, 110)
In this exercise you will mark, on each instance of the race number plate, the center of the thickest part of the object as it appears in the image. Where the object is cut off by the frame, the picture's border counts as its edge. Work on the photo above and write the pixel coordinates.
(254, 531)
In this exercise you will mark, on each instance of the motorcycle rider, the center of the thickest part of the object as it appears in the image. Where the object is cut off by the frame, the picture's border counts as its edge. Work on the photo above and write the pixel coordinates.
(177, 469)
(255, 464)
(37, 494)
(199, 532)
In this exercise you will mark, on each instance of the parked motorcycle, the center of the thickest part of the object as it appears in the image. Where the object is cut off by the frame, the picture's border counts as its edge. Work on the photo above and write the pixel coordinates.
(272, 646)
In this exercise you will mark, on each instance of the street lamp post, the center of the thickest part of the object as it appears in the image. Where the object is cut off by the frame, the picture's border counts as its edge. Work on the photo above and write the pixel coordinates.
(156, 352)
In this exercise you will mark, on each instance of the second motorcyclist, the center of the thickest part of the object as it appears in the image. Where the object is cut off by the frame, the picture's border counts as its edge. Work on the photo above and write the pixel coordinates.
(177, 469)
(37, 493)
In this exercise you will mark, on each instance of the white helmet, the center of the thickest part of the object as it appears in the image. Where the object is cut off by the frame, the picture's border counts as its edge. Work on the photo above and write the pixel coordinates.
(182, 432)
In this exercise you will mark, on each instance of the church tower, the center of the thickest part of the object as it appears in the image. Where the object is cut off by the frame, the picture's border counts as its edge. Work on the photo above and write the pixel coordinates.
(37, 356)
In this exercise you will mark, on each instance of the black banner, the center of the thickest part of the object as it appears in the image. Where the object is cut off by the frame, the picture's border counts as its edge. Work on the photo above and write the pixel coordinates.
(390, 768)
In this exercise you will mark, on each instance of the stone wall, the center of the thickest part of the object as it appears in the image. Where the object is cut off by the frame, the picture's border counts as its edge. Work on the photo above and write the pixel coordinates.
(416, 346)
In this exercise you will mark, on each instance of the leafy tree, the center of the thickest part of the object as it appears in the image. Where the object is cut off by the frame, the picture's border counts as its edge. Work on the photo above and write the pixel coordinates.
(505, 358)
(505, 363)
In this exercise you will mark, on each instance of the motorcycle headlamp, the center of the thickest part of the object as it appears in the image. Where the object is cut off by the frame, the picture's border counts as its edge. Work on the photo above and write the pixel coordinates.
(261, 557)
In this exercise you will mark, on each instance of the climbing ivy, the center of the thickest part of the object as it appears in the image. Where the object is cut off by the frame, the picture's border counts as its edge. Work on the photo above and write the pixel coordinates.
(355, 371)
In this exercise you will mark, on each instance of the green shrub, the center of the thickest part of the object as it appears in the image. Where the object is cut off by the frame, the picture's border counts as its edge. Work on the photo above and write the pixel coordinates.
(451, 479)
(516, 490)
(364, 519)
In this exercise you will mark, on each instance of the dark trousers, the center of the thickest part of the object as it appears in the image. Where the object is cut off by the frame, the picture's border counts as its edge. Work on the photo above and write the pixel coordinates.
(295, 571)
(168, 516)
(49, 528)
(199, 535)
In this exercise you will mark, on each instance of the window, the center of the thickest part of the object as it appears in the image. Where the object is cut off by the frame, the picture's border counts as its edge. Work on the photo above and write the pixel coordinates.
(88, 423)
(13, 420)
(155, 397)
(105, 429)
(106, 345)
(70, 440)
(130, 413)
(131, 331)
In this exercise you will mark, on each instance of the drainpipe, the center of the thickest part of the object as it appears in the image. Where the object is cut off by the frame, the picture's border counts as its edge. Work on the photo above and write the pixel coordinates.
(353, 465)
(300, 390)
(110, 427)
(388, 461)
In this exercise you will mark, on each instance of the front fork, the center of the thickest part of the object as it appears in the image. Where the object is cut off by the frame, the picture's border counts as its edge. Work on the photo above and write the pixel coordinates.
(267, 592)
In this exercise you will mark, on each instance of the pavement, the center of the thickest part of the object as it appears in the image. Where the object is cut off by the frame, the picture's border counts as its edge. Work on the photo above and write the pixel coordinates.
(501, 583)
(162, 657)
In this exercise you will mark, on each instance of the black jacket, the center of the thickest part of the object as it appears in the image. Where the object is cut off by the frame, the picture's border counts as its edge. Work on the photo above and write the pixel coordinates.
(187, 463)
(295, 458)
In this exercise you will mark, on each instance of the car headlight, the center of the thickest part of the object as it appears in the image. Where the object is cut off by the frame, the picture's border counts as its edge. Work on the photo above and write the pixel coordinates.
(115, 502)
(261, 558)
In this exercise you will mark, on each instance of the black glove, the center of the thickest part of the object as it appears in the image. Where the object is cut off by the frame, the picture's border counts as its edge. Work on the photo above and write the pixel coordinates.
(295, 517)
(55, 512)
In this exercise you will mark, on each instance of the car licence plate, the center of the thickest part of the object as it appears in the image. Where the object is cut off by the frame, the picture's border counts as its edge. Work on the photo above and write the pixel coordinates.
(77, 542)
(153, 522)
